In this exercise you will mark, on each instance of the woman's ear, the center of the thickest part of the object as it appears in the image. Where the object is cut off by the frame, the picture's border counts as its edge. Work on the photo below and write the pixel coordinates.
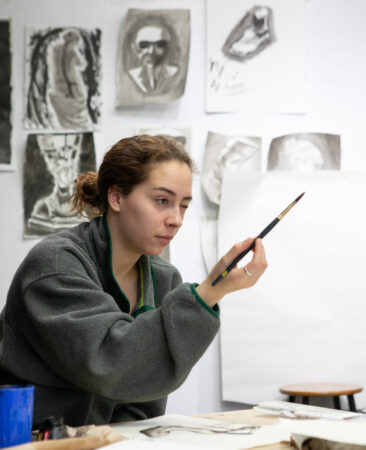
(114, 198)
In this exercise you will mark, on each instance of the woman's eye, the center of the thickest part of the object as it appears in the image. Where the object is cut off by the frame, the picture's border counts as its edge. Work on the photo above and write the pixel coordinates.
(162, 201)
(184, 206)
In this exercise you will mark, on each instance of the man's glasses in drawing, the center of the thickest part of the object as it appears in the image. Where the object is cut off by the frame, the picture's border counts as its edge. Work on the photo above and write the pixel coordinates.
(158, 44)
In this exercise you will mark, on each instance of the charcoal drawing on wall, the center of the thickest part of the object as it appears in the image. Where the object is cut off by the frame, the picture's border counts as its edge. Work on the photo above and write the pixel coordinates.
(153, 56)
(5, 94)
(303, 152)
(181, 135)
(251, 35)
(239, 153)
(63, 77)
(256, 56)
(52, 162)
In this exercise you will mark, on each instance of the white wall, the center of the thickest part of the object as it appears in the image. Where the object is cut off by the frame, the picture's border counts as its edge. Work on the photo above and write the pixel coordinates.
(337, 98)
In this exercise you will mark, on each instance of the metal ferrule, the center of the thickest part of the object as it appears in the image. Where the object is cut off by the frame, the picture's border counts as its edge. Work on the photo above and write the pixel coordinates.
(285, 211)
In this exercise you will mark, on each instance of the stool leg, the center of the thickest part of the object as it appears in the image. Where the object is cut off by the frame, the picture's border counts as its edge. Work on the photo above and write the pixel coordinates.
(305, 400)
(291, 399)
(351, 402)
(337, 403)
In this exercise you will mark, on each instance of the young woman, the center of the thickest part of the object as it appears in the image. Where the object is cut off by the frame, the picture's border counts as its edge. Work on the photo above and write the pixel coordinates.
(103, 327)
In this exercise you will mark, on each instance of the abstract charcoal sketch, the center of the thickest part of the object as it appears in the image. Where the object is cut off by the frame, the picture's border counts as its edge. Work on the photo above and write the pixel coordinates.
(5, 94)
(63, 77)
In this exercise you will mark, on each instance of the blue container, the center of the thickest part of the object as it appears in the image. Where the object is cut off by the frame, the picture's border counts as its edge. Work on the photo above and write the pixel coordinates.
(16, 414)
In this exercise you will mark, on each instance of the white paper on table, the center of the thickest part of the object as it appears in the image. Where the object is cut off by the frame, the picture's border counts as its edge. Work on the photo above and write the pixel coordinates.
(271, 81)
(201, 433)
(304, 321)
(331, 430)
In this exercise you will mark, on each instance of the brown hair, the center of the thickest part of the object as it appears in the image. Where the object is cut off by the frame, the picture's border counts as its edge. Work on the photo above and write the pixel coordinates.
(126, 164)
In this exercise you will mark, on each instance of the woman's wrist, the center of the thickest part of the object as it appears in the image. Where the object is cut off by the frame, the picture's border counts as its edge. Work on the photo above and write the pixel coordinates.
(208, 293)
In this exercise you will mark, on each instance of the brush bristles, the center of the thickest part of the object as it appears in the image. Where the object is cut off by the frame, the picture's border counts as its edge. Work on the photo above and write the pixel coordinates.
(298, 198)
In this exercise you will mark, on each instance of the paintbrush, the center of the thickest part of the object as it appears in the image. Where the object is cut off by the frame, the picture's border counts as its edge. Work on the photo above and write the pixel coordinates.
(260, 236)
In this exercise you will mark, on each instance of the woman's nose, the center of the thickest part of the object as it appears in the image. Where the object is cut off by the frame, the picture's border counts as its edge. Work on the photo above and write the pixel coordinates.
(175, 218)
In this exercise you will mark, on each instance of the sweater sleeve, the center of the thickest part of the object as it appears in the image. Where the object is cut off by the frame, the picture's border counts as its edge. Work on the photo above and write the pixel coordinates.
(80, 334)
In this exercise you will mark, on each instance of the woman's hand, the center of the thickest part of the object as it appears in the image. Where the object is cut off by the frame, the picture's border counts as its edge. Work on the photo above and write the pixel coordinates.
(237, 278)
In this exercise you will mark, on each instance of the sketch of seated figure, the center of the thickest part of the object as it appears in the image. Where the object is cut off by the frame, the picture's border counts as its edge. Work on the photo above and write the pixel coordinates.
(61, 155)
(237, 153)
(252, 34)
(151, 45)
(68, 93)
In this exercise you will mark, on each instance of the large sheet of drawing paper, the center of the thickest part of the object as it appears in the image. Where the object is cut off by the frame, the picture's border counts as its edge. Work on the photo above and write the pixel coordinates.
(256, 56)
(181, 432)
(304, 321)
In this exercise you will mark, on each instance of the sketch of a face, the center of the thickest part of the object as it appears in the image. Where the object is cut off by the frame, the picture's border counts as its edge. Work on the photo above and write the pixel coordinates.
(253, 33)
(236, 154)
(300, 155)
(152, 56)
(151, 45)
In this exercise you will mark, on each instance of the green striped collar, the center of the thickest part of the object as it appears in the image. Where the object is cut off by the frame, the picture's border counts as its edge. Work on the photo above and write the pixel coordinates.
(146, 276)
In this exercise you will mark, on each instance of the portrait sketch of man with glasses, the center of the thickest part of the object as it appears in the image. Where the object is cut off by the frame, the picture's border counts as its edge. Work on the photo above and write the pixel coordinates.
(154, 56)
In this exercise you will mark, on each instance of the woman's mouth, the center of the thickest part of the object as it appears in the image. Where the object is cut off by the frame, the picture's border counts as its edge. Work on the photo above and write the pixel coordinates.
(165, 239)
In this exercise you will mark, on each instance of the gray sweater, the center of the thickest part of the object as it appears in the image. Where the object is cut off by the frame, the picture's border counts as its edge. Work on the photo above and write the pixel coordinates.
(66, 328)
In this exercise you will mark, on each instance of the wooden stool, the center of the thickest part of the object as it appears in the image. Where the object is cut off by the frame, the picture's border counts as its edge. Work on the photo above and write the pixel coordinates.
(306, 390)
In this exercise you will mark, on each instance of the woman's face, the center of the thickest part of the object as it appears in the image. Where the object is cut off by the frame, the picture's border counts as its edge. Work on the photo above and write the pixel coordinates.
(151, 215)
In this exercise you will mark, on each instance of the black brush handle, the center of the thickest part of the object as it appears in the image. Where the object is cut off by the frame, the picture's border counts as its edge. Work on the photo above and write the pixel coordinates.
(268, 228)
(246, 251)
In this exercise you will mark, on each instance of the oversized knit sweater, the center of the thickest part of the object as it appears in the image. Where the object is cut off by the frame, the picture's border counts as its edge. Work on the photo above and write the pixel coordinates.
(67, 330)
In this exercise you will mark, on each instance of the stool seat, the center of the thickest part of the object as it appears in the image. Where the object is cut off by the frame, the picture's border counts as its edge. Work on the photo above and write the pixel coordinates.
(306, 390)
(320, 389)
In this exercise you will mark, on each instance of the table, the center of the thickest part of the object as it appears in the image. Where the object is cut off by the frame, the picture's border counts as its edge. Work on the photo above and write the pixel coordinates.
(104, 434)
